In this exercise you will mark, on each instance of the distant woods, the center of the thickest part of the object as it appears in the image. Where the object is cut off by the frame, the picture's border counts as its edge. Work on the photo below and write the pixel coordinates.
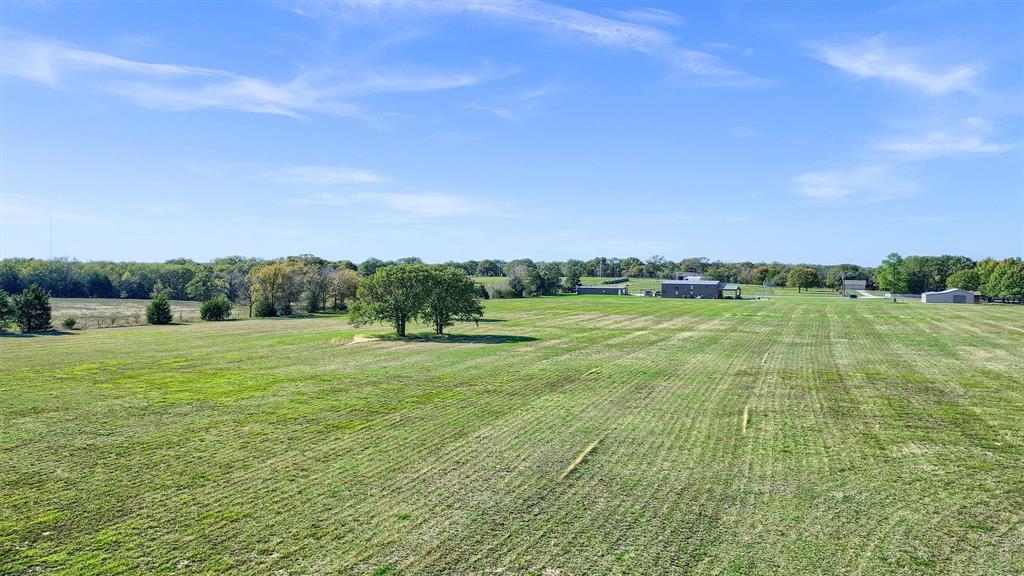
(314, 284)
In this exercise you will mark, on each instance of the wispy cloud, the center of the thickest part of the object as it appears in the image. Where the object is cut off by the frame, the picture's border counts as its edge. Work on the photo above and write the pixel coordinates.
(499, 111)
(180, 87)
(866, 183)
(968, 136)
(324, 175)
(552, 19)
(874, 58)
(424, 205)
(652, 16)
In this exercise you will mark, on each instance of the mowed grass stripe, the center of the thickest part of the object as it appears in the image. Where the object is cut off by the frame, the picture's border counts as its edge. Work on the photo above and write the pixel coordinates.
(881, 439)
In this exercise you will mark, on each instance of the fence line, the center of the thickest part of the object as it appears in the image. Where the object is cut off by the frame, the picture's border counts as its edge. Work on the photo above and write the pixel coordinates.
(124, 320)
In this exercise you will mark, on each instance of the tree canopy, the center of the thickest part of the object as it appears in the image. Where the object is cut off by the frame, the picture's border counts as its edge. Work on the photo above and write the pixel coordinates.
(393, 294)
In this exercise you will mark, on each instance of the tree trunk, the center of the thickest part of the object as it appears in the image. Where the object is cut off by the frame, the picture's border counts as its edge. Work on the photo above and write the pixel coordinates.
(400, 327)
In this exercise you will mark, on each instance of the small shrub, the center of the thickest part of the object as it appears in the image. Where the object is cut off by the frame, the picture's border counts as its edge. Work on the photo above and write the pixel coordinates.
(482, 291)
(159, 310)
(504, 292)
(33, 309)
(69, 322)
(218, 308)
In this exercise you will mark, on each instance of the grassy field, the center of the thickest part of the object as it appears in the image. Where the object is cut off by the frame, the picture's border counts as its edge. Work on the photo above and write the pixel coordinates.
(110, 312)
(795, 435)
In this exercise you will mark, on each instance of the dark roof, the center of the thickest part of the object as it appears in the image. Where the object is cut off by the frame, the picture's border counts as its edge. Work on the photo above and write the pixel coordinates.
(686, 282)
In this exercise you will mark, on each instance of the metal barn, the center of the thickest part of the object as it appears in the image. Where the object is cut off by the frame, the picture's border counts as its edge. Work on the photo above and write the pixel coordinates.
(691, 289)
(949, 296)
(607, 290)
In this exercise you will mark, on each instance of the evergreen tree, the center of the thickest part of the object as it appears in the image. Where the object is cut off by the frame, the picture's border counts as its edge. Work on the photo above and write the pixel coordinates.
(159, 310)
(33, 309)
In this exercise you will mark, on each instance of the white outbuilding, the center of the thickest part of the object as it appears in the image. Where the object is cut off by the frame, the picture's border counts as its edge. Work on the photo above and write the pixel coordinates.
(948, 296)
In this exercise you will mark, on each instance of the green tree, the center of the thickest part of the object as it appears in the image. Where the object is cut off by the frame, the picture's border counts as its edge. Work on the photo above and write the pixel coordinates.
(1008, 280)
(571, 279)
(802, 277)
(275, 286)
(487, 268)
(158, 311)
(343, 287)
(217, 308)
(966, 279)
(33, 309)
(453, 296)
(523, 278)
(205, 285)
(7, 311)
(549, 278)
(370, 266)
(393, 294)
(891, 275)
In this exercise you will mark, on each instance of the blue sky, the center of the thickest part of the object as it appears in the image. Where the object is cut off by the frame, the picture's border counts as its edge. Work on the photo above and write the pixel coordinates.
(455, 130)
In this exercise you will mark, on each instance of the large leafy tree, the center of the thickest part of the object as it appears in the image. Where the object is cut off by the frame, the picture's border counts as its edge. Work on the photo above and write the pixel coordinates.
(206, 285)
(32, 309)
(487, 268)
(966, 279)
(523, 278)
(370, 266)
(453, 296)
(344, 284)
(395, 294)
(275, 286)
(1007, 280)
(891, 275)
(802, 277)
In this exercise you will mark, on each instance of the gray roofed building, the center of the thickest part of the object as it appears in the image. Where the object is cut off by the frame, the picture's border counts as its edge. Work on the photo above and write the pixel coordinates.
(690, 288)
(949, 296)
(607, 290)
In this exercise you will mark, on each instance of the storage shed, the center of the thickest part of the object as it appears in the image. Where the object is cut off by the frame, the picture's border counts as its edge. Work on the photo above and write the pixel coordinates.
(851, 287)
(691, 289)
(607, 290)
(949, 296)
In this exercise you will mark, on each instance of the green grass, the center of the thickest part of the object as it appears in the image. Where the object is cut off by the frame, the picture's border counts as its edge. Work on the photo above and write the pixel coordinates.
(880, 438)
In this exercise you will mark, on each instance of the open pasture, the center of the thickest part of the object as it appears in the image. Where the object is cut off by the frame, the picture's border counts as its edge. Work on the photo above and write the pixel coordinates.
(112, 312)
(566, 435)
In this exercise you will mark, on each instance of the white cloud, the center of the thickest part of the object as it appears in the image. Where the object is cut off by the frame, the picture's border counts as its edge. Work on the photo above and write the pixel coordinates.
(499, 111)
(325, 175)
(177, 87)
(867, 182)
(969, 136)
(652, 16)
(424, 205)
(873, 58)
(551, 19)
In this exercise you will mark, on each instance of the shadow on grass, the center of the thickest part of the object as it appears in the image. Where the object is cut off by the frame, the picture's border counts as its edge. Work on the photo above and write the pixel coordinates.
(34, 334)
(458, 338)
(488, 320)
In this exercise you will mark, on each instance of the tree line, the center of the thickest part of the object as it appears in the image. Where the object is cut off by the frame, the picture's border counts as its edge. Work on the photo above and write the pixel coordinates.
(995, 279)
(273, 287)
